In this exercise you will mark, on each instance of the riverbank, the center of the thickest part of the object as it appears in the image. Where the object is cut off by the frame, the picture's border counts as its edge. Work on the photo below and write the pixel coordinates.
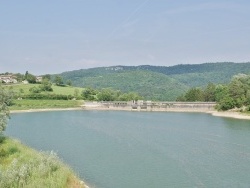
(235, 115)
(22, 166)
(44, 110)
(228, 114)
(26, 104)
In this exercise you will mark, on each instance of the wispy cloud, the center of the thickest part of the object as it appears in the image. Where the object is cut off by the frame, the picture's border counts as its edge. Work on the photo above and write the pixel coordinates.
(130, 20)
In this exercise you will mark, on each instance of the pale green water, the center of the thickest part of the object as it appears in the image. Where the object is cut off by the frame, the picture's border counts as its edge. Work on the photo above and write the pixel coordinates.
(142, 150)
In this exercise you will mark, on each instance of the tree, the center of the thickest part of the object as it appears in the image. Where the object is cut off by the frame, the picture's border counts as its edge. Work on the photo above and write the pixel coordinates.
(220, 92)
(129, 96)
(181, 98)
(69, 82)
(30, 78)
(76, 93)
(35, 90)
(26, 75)
(235, 94)
(194, 94)
(5, 101)
(19, 77)
(46, 85)
(46, 76)
(248, 97)
(209, 93)
(106, 95)
(226, 103)
(89, 94)
(58, 80)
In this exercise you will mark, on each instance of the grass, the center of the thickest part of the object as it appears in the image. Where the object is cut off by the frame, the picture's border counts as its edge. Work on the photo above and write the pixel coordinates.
(23, 167)
(67, 90)
(27, 104)
(42, 104)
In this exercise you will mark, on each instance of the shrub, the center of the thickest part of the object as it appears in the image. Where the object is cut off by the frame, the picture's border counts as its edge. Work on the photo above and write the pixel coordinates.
(3, 153)
(35, 90)
(41, 96)
(226, 104)
(20, 174)
(2, 138)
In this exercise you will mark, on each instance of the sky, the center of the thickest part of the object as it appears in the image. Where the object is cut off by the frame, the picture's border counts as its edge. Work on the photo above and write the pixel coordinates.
(53, 36)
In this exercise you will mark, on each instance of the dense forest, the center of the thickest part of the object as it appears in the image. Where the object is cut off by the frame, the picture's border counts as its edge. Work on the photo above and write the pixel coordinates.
(156, 82)
(235, 94)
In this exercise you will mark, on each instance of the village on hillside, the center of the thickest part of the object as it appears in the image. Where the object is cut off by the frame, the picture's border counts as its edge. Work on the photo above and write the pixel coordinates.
(12, 79)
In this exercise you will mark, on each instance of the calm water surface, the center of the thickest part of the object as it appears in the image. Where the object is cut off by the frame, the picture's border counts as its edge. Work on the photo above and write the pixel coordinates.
(142, 149)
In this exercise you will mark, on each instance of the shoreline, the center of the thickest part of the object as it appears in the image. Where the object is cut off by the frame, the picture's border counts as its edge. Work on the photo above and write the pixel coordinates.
(44, 110)
(32, 159)
(79, 183)
(227, 114)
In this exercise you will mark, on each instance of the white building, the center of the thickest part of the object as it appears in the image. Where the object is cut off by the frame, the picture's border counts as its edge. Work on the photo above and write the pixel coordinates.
(8, 79)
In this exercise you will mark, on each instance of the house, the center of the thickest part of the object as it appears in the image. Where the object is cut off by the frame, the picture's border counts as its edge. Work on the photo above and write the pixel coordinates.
(8, 79)
(39, 78)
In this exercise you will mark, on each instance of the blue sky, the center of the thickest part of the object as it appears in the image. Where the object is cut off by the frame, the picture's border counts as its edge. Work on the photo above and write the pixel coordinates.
(52, 36)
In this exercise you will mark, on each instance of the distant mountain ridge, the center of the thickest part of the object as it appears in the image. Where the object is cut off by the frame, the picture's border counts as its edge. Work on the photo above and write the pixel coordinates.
(156, 82)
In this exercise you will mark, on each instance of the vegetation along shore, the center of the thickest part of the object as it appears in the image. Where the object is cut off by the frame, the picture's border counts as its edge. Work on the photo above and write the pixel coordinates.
(23, 167)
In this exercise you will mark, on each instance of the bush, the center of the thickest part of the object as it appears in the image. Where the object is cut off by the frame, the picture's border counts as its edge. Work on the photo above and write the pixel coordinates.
(40, 96)
(21, 174)
(3, 153)
(35, 90)
(2, 138)
(226, 104)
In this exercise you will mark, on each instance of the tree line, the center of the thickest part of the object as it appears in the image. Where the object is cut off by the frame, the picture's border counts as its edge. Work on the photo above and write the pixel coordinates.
(88, 94)
(236, 94)
(5, 102)
(45, 91)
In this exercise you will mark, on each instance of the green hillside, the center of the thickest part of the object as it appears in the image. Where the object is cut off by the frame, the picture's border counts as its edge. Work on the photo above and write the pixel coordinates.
(156, 82)
(201, 75)
(153, 86)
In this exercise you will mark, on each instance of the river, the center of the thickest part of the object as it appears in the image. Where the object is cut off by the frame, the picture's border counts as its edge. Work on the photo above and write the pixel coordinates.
(118, 149)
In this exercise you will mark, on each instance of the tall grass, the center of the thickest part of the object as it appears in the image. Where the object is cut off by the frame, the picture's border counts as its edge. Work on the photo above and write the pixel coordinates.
(22, 167)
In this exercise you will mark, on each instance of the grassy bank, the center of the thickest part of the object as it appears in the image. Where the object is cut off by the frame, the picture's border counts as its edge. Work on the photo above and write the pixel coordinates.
(24, 89)
(41, 104)
(22, 167)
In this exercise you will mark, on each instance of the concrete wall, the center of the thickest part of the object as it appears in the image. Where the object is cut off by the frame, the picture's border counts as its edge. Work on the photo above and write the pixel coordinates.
(152, 106)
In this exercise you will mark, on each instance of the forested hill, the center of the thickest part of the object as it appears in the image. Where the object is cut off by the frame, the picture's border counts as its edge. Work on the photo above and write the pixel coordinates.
(156, 82)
